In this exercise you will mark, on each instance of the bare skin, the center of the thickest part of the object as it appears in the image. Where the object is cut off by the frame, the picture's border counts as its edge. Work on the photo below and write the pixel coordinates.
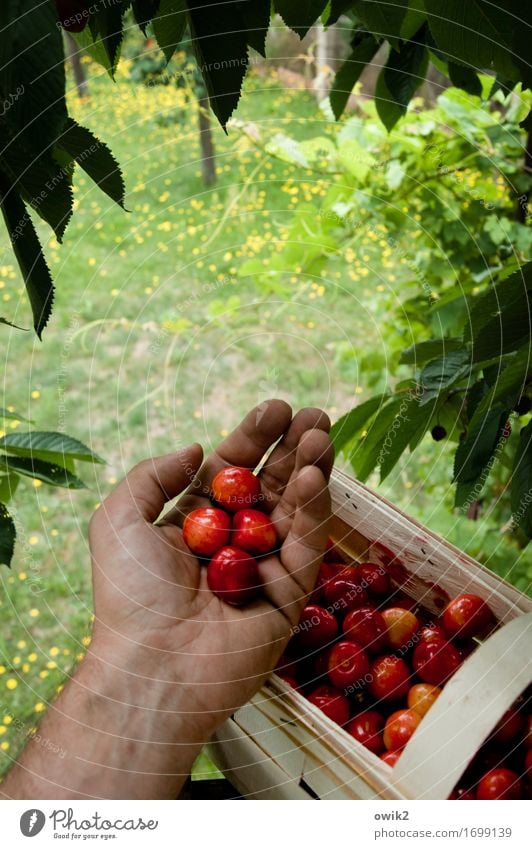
(169, 661)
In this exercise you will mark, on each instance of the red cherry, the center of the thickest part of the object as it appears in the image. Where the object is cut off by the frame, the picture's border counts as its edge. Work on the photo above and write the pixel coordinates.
(376, 579)
(253, 531)
(366, 626)
(463, 794)
(206, 530)
(401, 627)
(344, 594)
(465, 616)
(436, 661)
(321, 663)
(317, 628)
(528, 731)
(233, 575)
(390, 758)
(500, 783)
(510, 725)
(432, 632)
(528, 764)
(73, 14)
(399, 728)
(348, 664)
(389, 678)
(366, 727)
(421, 697)
(236, 488)
(326, 572)
(286, 667)
(332, 702)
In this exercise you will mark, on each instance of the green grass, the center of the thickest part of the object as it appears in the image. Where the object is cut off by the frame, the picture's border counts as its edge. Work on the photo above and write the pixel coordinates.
(156, 341)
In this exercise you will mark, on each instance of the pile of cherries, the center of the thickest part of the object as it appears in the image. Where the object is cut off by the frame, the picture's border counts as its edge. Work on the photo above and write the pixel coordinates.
(374, 661)
(232, 535)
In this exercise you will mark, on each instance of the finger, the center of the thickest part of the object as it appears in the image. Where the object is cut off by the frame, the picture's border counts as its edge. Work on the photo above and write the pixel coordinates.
(149, 485)
(288, 581)
(281, 462)
(314, 449)
(245, 446)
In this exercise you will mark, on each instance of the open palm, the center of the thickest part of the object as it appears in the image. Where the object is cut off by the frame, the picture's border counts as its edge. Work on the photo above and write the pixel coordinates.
(154, 610)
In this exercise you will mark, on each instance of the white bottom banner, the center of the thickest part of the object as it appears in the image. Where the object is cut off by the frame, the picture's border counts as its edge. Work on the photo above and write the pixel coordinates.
(355, 824)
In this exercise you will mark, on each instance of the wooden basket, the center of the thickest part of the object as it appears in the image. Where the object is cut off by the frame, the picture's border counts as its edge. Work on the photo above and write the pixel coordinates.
(279, 746)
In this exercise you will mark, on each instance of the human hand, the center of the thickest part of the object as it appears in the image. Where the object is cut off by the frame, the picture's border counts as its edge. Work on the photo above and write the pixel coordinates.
(155, 616)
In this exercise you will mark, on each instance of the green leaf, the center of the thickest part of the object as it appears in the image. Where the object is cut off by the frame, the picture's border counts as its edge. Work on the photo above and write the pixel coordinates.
(50, 473)
(144, 11)
(475, 33)
(338, 7)
(366, 454)
(384, 19)
(8, 486)
(400, 78)
(475, 452)
(507, 387)
(424, 351)
(95, 158)
(169, 25)
(301, 15)
(363, 48)
(29, 254)
(350, 424)
(499, 319)
(8, 535)
(413, 19)
(521, 482)
(409, 426)
(47, 445)
(102, 38)
(256, 18)
(440, 374)
(221, 49)
(32, 62)
(7, 414)
(42, 183)
(464, 78)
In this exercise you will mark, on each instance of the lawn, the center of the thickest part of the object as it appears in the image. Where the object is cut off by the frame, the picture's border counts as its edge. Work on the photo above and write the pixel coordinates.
(157, 341)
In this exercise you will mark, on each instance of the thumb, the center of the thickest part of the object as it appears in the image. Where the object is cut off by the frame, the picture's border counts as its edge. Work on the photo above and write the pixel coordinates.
(149, 485)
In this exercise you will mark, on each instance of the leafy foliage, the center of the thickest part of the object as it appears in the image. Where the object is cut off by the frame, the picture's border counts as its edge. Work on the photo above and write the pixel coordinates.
(46, 456)
(42, 145)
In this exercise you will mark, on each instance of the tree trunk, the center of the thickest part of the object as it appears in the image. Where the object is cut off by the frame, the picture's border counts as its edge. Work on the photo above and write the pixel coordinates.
(208, 167)
(73, 55)
(321, 80)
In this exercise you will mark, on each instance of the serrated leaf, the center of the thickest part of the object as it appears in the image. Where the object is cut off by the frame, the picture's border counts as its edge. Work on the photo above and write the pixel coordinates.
(95, 158)
(475, 452)
(11, 324)
(256, 18)
(363, 48)
(475, 33)
(428, 350)
(169, 25)
(521, 482)
(464, 78)
(499, 319)
(50, 473)
(300, 16)
(366, 453)
(8, 535)
(47, 445)
(350, 424)
(413, 19)
(8, 486)
(382, 18)
(441, 373)
(338, 7)
(222, 53)
(144, 11)
(29, 254)
(400, 78)
(409, 426)
(507, 387)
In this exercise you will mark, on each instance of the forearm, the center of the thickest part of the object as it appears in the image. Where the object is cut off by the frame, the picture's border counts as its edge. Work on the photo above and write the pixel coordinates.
(109, 735)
